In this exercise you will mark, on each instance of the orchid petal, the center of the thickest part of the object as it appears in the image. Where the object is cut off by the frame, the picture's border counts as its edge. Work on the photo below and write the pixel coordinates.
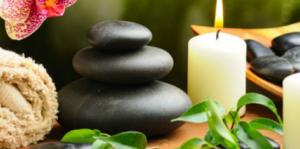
(57, 10)
(51, 7)
(20, 31)
(15, 11)
(67, 3)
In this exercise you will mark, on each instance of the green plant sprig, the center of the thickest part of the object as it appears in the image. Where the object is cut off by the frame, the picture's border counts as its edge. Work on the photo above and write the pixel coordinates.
(227, 130)
(99, 140)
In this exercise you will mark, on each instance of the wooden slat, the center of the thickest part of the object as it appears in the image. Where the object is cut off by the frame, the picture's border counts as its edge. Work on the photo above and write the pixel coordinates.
(263, 35)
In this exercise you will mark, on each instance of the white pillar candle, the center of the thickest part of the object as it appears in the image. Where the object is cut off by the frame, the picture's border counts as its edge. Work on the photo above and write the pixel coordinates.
(291, 111)
(217, 69)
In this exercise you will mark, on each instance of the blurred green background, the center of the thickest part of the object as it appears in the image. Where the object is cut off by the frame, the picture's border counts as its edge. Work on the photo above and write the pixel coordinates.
(58, 39)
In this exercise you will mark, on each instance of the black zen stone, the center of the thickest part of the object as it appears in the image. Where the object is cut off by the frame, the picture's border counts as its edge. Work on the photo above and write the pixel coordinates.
(148, 108)
(285, 42)
(116, 36)
(144, 65)
(256, 50)
(272, 68)
(59, 145)
(293, 56)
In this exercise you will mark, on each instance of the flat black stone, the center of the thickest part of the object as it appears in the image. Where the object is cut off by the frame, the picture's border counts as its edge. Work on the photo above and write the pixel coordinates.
(116, 36)
(285, 42)
(256, 50)
(272, 68)
(293, 56)
(144, 65)
(148, 108)
(59, 145)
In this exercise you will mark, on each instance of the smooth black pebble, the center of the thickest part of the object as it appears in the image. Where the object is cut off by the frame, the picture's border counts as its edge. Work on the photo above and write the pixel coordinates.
(293, 56)
(285, 42)
(59, 145)
(144, 65)
(148, 108)
(118, 36)
(256, 50)
(272, 68)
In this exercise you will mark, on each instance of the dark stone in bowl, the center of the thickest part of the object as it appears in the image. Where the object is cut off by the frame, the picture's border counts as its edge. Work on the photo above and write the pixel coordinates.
(118, 36)
(293, 56)
(144, 65)
(272, 68)
(59, 145)
(148, 108)
(285, 42)
(256, 50)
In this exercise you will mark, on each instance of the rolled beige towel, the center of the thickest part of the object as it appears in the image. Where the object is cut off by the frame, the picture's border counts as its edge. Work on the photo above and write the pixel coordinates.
(28, 101)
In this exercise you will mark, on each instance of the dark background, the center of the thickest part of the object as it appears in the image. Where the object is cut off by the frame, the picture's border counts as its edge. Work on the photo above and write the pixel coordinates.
(58, 39)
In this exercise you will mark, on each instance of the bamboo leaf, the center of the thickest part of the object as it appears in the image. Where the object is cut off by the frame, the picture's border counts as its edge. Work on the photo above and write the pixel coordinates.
(210, 139)
(251, 137)
(197, 113)
(231, 119)
(254, 98)
(267, 124)
(218, 129)
(80, 136)
(196, 143)
(99, 144)
(128, 140)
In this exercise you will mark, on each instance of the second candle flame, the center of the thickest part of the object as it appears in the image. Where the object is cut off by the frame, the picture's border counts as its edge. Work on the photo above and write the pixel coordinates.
(219, 23)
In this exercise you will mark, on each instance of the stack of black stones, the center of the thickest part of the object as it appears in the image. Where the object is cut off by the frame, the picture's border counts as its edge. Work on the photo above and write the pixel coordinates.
(277, 62)
(119, 90)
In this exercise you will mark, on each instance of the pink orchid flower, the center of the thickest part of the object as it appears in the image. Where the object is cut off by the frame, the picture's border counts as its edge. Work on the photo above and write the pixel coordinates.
(24, 17)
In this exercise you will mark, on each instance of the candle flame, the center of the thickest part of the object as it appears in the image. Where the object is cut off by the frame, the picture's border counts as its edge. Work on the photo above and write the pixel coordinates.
(219, 23)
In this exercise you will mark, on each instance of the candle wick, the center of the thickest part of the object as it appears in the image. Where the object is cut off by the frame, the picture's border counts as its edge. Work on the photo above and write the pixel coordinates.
(218, 34)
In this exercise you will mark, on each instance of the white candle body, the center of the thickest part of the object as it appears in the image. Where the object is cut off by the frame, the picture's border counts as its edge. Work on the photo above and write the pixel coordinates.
(217, 69)
(291, 111)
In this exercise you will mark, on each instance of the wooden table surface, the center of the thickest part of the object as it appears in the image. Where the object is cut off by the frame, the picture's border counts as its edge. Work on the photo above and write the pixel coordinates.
(185, 132)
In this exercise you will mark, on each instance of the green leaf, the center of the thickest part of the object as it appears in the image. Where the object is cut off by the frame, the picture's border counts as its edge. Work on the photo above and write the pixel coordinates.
(231, 118)
(99, 144)
(254, 98)
(228, 119)
(210, 139)
(218, 129)
(81, 136)
(251, 137)
(128, 140)
(267, 124)
(197, 113)
(196, 143)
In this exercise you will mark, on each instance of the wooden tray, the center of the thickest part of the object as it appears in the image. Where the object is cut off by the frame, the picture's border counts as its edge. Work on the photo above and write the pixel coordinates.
(263, 35)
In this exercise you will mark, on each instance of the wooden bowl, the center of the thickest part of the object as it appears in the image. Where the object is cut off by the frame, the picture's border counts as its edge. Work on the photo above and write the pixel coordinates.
(263, 35)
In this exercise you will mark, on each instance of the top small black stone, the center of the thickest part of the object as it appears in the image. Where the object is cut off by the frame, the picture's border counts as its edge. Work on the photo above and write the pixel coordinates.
(285, 42)
(118, 36)
(257, 50)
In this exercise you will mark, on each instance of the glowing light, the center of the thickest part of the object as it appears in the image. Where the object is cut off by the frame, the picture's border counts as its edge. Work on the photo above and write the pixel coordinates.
(219, 23)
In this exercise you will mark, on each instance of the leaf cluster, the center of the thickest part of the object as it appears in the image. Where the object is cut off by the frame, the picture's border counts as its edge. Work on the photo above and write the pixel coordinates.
(99, 140)
(227, 130)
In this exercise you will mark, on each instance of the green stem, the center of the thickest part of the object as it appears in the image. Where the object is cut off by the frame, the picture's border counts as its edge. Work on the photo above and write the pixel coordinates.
(279, 119)
(234, 120)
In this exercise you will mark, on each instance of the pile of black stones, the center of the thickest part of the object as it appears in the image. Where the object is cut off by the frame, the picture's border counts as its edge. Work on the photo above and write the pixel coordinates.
(119, 90)
(277, 62)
